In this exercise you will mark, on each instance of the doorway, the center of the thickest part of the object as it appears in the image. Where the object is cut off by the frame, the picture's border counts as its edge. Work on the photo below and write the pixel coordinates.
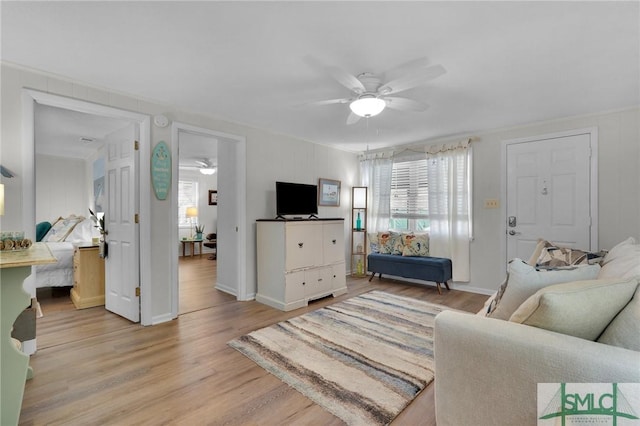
(197, 221)
(551, 192)
(31, 98)
(228, 214)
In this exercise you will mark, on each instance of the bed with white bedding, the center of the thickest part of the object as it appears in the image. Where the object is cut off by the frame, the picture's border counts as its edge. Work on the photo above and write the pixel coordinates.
(62, 238)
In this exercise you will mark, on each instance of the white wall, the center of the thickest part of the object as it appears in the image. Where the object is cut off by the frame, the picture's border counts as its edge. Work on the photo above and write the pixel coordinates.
(60, 188)
(270, 157)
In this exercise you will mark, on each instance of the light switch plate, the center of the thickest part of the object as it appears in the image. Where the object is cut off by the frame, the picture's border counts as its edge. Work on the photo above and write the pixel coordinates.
(491, 203)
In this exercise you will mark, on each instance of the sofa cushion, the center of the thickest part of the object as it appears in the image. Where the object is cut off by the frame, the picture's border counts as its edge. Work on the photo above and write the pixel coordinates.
(624, 330)
(623, 260)
(581, 308)
(524, 280)
(415, 245)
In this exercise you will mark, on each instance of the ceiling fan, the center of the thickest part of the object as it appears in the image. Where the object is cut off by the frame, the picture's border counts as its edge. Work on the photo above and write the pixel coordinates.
(204, 166)
(370, 95)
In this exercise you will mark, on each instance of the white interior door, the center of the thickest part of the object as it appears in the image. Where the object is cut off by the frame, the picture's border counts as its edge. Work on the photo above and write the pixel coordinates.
(122, 263)
(548, 193)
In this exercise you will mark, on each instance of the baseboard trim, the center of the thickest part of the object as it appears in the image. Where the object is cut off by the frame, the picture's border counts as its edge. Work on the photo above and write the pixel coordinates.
(452, 285)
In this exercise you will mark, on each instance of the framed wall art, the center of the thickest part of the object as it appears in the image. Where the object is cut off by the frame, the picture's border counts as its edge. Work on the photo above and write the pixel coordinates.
(328, 192)
(213, 197)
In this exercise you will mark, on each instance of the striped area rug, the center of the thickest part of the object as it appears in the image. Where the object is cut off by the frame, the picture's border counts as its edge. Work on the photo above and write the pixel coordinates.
(363, 359)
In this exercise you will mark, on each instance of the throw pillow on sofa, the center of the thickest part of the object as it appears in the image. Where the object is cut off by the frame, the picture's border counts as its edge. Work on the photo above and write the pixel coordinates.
(623, 260)
(549, 254)
(581, 308)
(624, 330)
(524, 280)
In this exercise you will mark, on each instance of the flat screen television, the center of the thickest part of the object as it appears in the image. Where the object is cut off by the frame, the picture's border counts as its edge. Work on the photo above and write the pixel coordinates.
(296, 199)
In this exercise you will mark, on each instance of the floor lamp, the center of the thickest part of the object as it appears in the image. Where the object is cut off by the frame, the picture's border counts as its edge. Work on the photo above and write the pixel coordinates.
(191, 213)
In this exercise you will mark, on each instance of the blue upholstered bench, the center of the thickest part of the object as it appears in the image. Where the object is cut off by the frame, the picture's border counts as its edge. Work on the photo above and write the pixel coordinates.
(436, 269)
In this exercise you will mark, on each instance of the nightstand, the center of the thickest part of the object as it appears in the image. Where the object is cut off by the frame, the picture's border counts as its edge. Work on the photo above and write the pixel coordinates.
(88, 277)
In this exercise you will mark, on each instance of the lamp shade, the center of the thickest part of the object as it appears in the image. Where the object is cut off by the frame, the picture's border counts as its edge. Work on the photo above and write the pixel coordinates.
(359, 197)
(192, 212)
(367, 106)
(208, 170)
(1, 199)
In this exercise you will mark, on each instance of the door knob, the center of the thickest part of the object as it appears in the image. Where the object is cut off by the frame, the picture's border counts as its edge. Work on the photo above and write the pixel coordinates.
(512, 232)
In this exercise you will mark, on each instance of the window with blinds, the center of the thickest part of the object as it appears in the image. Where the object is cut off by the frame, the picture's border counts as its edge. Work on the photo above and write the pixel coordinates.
(187, 197)
(410, 196)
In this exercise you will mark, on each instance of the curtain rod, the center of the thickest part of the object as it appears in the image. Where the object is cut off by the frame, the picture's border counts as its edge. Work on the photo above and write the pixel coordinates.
(416, 149)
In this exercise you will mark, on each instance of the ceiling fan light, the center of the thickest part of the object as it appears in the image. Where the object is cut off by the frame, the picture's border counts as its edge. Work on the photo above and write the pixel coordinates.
(368, 106)
(208, 170)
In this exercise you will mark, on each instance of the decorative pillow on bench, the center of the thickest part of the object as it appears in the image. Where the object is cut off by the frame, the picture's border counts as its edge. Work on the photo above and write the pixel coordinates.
(415, 245)
(389, 242)
(405, 244)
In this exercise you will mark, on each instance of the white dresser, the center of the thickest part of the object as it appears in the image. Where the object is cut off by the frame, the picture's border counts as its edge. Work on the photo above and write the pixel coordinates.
(299, 261)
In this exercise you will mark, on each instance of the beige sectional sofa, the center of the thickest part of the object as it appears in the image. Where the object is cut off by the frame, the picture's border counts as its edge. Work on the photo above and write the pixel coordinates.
(583, 331)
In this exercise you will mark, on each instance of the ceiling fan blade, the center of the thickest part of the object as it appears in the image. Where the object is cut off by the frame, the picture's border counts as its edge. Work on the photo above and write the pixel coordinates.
(353, 118)
(329, 102)
(404, 104)
(201, 163)
(408, 67)
(347, 80)
(412, 80)
(341, 76)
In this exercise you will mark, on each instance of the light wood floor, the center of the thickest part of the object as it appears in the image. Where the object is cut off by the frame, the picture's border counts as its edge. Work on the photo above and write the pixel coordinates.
(93, 367)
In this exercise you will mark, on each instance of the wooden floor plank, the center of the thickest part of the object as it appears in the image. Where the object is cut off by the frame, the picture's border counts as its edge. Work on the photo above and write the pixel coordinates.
(93, 367)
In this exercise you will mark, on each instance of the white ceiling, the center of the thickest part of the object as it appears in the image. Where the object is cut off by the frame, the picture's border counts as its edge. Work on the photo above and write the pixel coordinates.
(508, 63)
(63, 133)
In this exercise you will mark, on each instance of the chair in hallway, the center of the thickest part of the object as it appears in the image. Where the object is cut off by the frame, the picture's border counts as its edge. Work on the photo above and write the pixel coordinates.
(212, 243)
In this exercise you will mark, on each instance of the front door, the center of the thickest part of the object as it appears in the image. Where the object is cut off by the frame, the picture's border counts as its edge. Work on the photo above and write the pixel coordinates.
(548, 193)
(122, 266)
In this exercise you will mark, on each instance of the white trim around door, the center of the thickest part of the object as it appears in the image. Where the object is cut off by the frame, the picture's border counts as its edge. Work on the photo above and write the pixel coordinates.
(231, 166)
(30, 97)
(592, 132)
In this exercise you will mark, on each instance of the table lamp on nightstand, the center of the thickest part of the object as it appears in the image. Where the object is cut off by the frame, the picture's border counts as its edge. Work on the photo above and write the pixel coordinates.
(191, 213)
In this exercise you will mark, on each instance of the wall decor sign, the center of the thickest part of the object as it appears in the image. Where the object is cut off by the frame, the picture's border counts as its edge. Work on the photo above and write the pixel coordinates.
(328, 192)
(161, 170)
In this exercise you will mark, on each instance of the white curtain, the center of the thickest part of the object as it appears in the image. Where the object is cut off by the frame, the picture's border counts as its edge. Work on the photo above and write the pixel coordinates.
(449, 176)
(375, 174)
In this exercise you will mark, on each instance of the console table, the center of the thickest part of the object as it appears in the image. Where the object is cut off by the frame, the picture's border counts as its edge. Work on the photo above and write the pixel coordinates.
(15, 267)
